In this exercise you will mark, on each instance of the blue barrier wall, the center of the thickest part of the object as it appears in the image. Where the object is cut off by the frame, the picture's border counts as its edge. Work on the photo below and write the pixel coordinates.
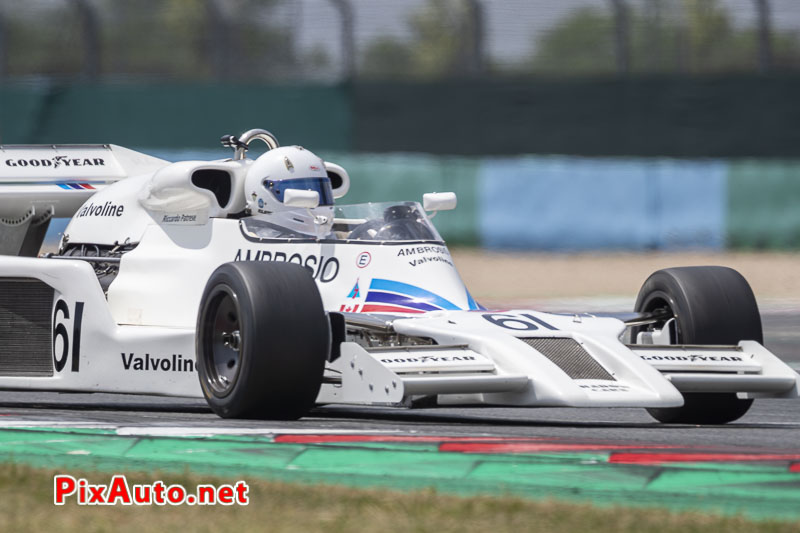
(564, 203)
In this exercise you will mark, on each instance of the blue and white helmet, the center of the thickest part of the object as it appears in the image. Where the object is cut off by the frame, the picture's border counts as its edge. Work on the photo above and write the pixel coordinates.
(290, 167)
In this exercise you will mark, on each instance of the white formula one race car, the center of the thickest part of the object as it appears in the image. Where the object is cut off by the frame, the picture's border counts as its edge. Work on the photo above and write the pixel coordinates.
(241, 282)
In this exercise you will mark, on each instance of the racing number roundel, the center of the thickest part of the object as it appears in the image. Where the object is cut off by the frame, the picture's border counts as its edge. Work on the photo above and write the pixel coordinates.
(363, 260)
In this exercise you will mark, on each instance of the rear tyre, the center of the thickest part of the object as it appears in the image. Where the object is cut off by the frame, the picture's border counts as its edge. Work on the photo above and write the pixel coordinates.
(262, 341)
(710, 305)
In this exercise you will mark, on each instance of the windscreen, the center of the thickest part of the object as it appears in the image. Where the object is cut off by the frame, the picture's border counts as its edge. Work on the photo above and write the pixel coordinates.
(405, 221)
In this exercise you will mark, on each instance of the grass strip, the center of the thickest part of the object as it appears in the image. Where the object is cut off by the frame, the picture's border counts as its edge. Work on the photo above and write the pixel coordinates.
(26, 504)
(759, 491)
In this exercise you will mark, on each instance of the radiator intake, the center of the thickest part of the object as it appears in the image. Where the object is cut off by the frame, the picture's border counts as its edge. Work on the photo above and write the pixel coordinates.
(26, 347)
(570, 357)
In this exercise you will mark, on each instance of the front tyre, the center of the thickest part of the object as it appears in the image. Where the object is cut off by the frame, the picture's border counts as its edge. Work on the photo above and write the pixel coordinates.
(710, 305)
(262, 341)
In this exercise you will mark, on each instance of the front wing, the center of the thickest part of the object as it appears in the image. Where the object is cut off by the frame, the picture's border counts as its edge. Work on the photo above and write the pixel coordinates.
(527, 358)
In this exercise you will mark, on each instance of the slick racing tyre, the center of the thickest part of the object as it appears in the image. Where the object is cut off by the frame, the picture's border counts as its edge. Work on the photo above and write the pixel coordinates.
(710, 305)
(262, 341)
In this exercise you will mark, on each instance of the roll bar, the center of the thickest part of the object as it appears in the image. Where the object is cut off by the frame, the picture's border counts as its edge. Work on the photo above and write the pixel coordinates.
(242, 143)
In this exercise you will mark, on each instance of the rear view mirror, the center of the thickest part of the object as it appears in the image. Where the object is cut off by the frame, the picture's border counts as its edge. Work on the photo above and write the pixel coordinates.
(340, 179)
(439, 201)
(299, 198)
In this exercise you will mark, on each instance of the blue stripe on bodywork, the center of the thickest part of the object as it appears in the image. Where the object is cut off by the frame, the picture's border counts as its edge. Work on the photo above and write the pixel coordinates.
(413, 292)
(473, 305)
(397, 299)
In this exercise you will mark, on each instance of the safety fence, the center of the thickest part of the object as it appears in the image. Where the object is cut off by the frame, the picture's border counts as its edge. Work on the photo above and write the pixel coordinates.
(721, 117)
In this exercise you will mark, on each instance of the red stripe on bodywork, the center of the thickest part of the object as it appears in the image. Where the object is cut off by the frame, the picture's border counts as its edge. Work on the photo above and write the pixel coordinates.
(86, 186)
(657, 458)
(371, 308)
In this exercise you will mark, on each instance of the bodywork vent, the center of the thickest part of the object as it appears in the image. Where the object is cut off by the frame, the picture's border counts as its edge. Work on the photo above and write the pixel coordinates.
(570, 357)
(25, 348)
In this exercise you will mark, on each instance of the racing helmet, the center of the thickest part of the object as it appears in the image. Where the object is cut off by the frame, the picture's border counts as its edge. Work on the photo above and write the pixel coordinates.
(290, 167)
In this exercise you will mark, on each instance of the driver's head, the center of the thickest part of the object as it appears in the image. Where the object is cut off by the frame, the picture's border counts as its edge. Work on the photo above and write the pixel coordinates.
(290, 167)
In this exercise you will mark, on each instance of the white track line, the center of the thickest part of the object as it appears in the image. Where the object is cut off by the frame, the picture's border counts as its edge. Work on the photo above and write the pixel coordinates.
(156, 431)
(189, 431)
(12, 423)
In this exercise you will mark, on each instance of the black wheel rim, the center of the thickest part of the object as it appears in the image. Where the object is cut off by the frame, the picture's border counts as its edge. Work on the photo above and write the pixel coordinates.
(222, 340)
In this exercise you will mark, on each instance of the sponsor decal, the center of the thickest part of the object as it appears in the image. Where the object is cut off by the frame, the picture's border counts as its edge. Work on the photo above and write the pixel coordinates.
(363, 260)
(354, 292)
(57, 161)
(419, 250)
(694, 358)
(420, 255)
(176, 363)
(108, 209)
(430, 259)
(324, 269)
(597, 387)
(429, 359)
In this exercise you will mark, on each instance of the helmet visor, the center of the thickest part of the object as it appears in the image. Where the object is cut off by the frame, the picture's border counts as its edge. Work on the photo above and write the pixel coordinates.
(321, 185)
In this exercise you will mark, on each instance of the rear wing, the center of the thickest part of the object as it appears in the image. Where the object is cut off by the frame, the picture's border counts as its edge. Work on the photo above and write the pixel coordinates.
(39, 182)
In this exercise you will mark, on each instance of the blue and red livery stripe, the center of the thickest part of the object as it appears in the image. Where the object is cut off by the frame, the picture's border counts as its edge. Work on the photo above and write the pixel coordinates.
(387, 296)
(75, 186)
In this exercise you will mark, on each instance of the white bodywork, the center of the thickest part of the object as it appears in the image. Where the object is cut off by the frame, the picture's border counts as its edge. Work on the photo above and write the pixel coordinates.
(138, 336)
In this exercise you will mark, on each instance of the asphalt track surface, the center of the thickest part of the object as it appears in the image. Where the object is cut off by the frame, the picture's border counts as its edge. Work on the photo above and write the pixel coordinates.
(771, 425)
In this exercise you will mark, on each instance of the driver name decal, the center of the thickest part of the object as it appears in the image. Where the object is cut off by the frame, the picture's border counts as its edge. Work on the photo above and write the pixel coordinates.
(174, 219)
(323, 269)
